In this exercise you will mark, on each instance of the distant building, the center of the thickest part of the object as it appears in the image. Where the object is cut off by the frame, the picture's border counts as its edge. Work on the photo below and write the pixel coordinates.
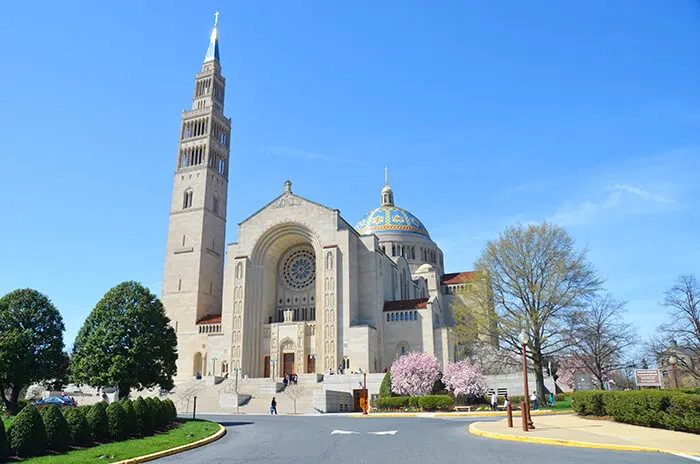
(686, 361)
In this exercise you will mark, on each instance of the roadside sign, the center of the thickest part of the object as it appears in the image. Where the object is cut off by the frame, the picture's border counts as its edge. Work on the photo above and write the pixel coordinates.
(647, 377)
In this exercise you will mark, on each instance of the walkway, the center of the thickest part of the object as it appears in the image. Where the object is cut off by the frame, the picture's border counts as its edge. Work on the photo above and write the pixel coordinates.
(572, 430)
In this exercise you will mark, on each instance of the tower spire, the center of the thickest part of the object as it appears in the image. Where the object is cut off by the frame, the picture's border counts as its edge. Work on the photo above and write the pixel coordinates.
(387, 193)
(213, 50)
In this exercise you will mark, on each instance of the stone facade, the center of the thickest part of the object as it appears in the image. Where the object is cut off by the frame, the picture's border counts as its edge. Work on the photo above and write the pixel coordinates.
(302, 290)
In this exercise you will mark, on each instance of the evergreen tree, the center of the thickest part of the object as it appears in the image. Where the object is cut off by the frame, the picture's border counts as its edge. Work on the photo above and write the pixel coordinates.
(126, 342)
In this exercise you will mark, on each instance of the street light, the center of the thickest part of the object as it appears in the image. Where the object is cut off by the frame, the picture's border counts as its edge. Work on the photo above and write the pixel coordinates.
(237, 369)
(273, 365)
(673, 361)
(527, 422)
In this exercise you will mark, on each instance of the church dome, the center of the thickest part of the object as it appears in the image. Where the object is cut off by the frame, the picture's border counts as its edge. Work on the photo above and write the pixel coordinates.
(390, 219)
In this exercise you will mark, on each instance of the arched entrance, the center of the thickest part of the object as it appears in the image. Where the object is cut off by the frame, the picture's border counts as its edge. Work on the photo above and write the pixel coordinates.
(287, 350)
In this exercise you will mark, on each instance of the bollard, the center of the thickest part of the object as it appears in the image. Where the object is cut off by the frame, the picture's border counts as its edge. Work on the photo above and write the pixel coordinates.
(523, 415)
(509, 410)
(194, 407)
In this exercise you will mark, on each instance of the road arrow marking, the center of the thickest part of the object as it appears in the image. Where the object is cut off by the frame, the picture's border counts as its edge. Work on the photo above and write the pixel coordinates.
(387, 432)
(344, 432)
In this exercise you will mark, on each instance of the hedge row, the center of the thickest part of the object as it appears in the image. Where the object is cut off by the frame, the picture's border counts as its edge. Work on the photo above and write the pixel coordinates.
(666, 409)
(32, 433)
(426, 403)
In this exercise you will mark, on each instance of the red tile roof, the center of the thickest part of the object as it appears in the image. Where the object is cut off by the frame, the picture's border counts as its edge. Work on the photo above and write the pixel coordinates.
(213, 319)
(402, 305)
(460, 277)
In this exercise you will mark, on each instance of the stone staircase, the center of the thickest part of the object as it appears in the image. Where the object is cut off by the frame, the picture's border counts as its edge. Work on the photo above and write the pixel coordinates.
(255, 396)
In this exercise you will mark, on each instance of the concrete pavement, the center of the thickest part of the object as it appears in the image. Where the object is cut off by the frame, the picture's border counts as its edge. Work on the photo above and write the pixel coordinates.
(345, 440)
(572, 430)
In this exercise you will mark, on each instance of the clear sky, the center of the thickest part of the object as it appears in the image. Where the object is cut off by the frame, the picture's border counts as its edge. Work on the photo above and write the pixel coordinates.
(488, 113)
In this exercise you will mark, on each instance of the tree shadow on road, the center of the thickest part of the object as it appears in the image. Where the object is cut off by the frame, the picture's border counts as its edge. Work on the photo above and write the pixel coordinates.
(234, 424)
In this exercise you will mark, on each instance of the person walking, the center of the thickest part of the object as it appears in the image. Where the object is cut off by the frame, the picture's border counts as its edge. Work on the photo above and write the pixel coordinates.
(494, 401)
(273, 406)
(533, 400)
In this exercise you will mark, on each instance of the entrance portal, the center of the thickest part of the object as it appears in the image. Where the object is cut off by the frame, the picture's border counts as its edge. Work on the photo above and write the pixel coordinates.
(288, 365)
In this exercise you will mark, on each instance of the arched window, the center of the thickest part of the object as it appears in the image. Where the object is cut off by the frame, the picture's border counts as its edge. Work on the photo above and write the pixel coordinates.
(415, 315)
(393, 316)
(402, 316)
(403, 350)
(388, 317)
(216, 205)
(187, 199)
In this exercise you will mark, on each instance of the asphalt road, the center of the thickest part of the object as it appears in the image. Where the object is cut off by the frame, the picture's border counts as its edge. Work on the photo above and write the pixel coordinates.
(345, 440)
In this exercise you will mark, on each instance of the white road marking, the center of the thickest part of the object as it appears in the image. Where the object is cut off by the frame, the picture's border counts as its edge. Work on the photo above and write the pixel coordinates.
(344, 432)
(687, 456)
(387, 432)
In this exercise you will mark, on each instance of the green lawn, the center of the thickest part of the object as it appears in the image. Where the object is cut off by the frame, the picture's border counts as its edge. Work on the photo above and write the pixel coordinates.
(561, 405)
(133, 448)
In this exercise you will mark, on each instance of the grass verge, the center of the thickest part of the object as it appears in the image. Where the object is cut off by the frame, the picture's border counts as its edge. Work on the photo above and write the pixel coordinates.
(188, 432)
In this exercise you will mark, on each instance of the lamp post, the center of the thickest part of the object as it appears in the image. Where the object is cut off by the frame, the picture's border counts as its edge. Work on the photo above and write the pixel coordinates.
(237, 369)
(673, 361)
(365, 393)
(273, 366)
(527, 422)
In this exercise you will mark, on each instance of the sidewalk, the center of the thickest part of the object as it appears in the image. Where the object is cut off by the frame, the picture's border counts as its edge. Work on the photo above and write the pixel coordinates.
(571, 430)
(455, 414)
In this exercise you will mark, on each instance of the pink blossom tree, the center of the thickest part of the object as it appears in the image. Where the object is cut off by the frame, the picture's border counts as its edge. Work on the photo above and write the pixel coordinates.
(464, 378)
(414, 374)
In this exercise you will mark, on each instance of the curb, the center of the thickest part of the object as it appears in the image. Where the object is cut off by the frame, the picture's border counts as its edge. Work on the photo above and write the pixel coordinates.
(379, 415)
(502, 414)
(178, 449)
(570, 443)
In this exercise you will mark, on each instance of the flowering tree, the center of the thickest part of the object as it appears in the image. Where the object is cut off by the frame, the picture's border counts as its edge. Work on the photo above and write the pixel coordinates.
(464, 378)
(414, 374)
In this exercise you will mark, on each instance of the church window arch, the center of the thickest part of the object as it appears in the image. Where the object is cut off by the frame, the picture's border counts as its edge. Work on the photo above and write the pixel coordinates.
(415, 315)
(187, 199)
(388, 317)
(393, 316)
(402, 316)
(215, 204)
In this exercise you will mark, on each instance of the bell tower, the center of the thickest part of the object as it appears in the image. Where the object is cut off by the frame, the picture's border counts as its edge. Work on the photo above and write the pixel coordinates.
(194, 260)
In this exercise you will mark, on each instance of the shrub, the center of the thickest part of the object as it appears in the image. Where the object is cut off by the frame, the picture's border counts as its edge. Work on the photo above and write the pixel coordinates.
(666, 409)
(393, 402)
(563, 396)
(116, 422)
(160, 414)
(144, 417)
(57, 430)
(130, 413)
(171, 409)
(385, 387)
(27, 433)
(435, 402)
(413, 402)
(78, 426)
(4, 446)
(97, 420)
(589, 402)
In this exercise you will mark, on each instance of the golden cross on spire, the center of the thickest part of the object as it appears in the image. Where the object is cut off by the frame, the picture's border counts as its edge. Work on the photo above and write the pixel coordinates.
(386, 176)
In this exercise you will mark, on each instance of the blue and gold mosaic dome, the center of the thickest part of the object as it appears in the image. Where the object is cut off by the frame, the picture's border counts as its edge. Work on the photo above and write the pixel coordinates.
(390, 219)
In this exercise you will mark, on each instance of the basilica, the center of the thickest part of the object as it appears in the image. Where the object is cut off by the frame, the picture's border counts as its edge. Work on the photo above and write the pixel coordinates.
(303, 290)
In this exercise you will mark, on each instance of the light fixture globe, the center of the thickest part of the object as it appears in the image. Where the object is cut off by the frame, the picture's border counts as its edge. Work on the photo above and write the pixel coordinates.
(523, 337)
(672, 360)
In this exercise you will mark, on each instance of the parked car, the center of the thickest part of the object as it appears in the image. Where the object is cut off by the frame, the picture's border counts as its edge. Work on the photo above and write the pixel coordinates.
(57, 400)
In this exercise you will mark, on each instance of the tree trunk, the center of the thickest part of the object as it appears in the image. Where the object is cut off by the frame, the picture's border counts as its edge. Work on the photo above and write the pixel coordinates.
(12, 403)
(539, 376)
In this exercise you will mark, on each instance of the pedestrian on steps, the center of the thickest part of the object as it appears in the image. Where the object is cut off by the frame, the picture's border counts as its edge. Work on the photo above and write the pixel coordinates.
(273, 406)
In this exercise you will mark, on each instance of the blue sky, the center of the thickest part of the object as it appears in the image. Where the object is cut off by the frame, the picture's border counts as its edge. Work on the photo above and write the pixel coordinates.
(487, 113)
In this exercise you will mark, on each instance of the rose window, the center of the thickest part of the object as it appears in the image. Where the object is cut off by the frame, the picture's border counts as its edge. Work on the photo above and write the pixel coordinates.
(299, 270)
